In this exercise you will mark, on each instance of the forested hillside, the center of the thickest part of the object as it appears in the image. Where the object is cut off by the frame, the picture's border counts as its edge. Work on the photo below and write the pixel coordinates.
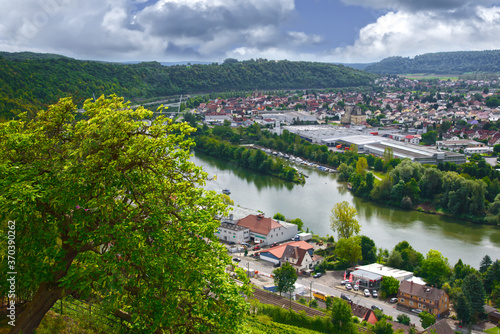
(28, 83)
(460, 62)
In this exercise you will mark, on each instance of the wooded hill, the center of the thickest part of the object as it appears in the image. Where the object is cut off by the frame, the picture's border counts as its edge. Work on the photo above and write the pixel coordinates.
(29, 82)
(460, 62)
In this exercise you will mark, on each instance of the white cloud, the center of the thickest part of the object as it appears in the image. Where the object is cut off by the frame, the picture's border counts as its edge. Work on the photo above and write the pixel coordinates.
(149, 30)
(409, 34)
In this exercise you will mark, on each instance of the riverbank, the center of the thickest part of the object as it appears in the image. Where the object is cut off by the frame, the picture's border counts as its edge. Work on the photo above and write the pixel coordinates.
(312, 203)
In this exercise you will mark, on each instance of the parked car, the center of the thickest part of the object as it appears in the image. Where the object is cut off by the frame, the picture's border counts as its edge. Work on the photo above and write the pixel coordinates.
(345, 297)
(274, 244)
(317, 275)
(348, 286)
(416, 310)
(375, 307)
(246, 244)
(277, 264)
(366, 292)
(374, 293)
(256, 255)
(355, 287)
(344, 282)
(393, 300)
(236, 259)
(256, 247)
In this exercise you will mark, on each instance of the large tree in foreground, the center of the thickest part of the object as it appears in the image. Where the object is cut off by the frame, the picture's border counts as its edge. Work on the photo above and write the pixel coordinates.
(110, 207)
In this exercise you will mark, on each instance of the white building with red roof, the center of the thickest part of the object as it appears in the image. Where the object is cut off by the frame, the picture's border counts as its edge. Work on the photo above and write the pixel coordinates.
(298, 253)
(266, 231)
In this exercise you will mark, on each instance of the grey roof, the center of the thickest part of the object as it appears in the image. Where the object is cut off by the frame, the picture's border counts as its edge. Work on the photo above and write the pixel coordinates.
(366, 274)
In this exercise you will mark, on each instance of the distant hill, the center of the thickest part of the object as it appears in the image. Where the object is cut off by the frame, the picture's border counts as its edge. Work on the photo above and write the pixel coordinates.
(33, 83)
(26, 55)
(459, 62)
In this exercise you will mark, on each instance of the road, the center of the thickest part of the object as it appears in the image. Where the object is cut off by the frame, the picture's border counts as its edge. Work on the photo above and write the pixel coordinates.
(327, 284)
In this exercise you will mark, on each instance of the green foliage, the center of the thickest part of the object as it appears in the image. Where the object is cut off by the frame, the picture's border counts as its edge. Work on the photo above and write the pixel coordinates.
(435, 268)
(279, 216)
(263, 324)
(403, 319)
(389, 287)
(368, 250)
(463, 308)
(102, 201)
(343, 220)
(382, 327)
(349, 250)
(341, 317)
(31, 83)
(459, 62)
(485, 263)
(285, 316)
(427, 319)
(473, 290)
(285, 278)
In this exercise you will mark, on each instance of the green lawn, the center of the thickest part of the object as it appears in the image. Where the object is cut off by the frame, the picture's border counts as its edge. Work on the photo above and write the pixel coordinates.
(494, 330)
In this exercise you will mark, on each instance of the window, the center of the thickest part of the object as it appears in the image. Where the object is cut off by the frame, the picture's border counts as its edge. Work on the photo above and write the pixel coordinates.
(402, 300)
(411, 303)
(419, 305)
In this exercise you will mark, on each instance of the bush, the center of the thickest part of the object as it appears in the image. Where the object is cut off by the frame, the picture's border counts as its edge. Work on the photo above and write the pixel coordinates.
(302, 300)
(313, 303)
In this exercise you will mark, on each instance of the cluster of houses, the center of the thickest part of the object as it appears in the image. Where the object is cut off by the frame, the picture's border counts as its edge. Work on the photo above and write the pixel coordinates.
(400, 109)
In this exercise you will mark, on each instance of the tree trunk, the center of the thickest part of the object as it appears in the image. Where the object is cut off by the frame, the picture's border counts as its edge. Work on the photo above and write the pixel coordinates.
(33, 313)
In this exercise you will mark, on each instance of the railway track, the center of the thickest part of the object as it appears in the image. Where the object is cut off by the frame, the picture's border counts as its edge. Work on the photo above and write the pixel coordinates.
(270, 298)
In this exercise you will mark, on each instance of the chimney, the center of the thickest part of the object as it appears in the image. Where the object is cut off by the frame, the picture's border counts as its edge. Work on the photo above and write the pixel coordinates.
(260, 216)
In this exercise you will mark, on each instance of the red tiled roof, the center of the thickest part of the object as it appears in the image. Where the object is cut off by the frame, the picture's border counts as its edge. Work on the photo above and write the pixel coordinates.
(278, 251)
(259, 224)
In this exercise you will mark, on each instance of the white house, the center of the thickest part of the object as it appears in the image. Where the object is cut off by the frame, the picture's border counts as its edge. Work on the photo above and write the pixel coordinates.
(233, 233)
(267, 230)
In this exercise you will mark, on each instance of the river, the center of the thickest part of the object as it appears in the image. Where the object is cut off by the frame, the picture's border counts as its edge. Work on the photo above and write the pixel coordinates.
(312, 202)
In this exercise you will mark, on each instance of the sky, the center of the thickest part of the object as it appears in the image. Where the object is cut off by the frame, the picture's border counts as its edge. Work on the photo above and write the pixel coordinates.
(346, 31)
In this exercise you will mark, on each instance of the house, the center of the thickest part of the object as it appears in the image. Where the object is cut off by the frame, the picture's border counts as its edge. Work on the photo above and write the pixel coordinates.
(440, 327)
(298, 253)
(265, 230)
(232, 233)
(425, 298)
(364, 313)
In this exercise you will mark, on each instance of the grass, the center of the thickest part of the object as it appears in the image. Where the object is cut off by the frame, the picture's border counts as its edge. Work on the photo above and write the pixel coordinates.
(431, 76)
(263, 324)
(494, 330)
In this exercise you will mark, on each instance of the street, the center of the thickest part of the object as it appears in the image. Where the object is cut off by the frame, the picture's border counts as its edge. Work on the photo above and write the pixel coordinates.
(328, 284)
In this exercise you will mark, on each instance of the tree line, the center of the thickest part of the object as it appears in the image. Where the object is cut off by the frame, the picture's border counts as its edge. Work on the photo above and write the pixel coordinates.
(31, 83)
(459, 62)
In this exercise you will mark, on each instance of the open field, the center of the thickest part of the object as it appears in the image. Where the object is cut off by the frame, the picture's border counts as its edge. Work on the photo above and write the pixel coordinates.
(421, 76)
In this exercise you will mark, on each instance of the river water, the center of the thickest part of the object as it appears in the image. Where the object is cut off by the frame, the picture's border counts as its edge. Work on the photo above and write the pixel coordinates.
(313, 201)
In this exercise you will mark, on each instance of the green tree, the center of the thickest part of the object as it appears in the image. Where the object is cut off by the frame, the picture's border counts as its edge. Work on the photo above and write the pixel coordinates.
(279, 216)
(435, 268)
(361, 166)
(429, 138)
(463, 308)
(492, 276)
(349, 249)
(368, 250)
(389, 286)
(298, 222)
(383, 327)
(343, 220)
(485, 263)
(388, 155)
(403, 319)
(427, 319)
(285, 278)
(341, 317)
(473, 290)
(109, 207)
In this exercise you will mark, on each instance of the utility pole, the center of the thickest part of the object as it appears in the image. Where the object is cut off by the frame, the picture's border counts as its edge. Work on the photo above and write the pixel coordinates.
(310, 292)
